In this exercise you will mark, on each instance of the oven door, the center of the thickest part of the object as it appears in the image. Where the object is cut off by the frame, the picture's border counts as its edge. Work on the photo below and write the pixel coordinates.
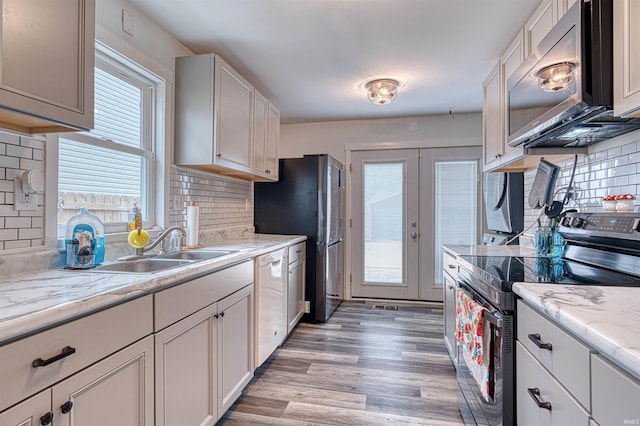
(500, 407)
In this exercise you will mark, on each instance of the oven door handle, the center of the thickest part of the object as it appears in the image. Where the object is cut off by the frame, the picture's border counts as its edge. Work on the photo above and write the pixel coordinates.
(488, 315)
(493, 319)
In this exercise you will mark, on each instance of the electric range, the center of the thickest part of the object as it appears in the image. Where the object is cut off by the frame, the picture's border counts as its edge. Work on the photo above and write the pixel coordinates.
(601, 249)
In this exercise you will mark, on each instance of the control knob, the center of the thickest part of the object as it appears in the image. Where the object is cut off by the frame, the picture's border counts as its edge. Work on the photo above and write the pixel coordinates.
(576, 222)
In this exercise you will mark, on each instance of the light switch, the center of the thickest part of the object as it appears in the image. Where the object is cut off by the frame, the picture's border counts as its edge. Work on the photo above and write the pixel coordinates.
(127, 22)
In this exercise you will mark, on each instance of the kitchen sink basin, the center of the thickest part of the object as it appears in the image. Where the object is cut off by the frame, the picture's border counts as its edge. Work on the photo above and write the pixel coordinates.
(140, 266)
(193, 255)
(160, 262)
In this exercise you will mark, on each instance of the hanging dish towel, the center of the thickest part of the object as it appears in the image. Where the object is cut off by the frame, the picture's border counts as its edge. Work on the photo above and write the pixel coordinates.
(472, 332)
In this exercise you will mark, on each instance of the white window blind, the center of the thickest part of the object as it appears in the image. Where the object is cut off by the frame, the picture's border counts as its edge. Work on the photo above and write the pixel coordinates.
(109, 169)
(456, 206)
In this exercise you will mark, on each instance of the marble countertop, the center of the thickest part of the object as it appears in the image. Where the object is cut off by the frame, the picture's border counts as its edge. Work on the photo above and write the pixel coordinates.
(482, 250)
(36, 301)
(606, 318)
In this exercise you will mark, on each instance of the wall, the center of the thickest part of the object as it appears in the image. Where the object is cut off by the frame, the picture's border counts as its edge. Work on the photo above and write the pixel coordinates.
(427, 131)
(24, 228)
(610, 168)
(224, 202)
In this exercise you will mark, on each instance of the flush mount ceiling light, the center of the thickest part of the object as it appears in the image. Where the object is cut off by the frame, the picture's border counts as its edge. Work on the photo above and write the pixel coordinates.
(556, 77)
(382, 91)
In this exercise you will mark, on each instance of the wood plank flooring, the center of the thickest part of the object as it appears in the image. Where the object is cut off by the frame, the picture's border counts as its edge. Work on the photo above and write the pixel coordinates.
(365, 366)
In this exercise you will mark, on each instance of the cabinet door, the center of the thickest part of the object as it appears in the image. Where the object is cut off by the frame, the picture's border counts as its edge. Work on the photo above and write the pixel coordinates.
(509, 62)
(492, 117)
(535, 387)
(260, 117)
(186, 369)
(116, 391)
(615, 394)
(234, 118)
(273, 139)
(34, 411)
(450, 340)
(47, 56)
(296, 293)
(539, 25)
(626, 58)
(235, 346)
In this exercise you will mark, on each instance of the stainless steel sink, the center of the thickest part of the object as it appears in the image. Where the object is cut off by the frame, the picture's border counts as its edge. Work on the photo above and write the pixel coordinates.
(160, 262)
(140, 266)
(194, 255)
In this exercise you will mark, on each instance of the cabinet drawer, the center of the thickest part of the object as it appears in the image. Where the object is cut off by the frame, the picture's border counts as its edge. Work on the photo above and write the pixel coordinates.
(175, 303)
(93, 338)
(530, 374)
(567, 359)
(616, 395)
(296, 252)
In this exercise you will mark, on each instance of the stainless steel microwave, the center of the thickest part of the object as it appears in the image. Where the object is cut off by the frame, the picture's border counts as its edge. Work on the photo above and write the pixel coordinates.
(562, 94)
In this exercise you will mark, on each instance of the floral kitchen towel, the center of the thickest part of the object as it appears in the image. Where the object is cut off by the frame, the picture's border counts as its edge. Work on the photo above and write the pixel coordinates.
(471, 331)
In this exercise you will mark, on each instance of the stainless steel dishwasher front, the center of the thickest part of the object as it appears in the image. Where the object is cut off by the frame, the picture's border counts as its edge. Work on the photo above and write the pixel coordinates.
(271, 303)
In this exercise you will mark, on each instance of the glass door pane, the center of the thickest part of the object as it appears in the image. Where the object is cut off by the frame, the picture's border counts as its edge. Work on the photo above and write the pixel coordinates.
(384, 200)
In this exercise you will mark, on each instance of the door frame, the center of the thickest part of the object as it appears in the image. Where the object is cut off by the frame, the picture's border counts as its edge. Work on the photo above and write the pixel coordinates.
(423, 144)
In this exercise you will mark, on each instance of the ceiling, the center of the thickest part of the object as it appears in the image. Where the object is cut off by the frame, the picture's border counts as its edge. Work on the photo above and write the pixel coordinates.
(310, 57)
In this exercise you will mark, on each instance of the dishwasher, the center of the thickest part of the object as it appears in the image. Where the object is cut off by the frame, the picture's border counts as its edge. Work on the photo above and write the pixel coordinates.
(271, 303)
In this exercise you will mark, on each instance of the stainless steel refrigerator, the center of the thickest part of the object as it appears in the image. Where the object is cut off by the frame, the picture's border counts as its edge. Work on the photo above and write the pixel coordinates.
(308, 200)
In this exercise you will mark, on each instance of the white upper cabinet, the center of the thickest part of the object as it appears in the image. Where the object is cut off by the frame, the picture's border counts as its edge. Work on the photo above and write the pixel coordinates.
(492, 117)
(539, 25)
(214, 116)
(223, 124)
(273, 140)
(626, 58)
(47, 57)
(260, 124)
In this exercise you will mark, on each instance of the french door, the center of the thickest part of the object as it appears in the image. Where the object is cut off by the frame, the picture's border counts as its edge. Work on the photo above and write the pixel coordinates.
(405, 204)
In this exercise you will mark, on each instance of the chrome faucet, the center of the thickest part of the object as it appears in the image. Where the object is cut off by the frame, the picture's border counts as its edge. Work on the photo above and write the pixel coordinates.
(140, 251)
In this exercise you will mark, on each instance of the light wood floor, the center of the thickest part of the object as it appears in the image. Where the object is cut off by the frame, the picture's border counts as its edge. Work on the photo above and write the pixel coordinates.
(365, 366)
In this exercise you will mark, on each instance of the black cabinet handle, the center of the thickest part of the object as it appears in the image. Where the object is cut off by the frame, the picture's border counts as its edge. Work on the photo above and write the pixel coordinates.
(535, 338)
(222, 313)
(46, 419)
(66, 407)
(535, 394)
(219, 154)
(216, 316)
(66, 351)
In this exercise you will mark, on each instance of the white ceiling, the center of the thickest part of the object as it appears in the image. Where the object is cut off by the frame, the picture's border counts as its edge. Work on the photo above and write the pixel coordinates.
(310, 57)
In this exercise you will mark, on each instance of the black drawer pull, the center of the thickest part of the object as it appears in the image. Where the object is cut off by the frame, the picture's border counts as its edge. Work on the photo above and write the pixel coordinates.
(535, 394)
(66, 351)
(535, 338)
(66, 407)
(46, 419)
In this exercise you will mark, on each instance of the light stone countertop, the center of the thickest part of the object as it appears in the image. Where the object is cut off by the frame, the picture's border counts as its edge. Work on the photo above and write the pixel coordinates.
(482, 250)
(606, 318)
(35, 301)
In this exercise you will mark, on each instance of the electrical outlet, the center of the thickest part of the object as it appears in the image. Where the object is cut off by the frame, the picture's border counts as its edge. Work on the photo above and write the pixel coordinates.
(307, 307)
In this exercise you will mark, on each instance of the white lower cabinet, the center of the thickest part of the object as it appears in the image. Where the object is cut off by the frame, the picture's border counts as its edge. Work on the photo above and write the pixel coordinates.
(542, 400)
(616, 395)
(116, 391)
(205, 359)
(296, 296)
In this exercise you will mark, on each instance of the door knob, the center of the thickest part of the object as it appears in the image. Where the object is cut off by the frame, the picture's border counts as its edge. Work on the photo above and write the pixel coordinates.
(414, 224)
(414, 235)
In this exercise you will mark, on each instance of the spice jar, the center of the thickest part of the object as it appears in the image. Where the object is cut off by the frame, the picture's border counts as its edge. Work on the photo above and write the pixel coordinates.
(624, 203)
(609, 203)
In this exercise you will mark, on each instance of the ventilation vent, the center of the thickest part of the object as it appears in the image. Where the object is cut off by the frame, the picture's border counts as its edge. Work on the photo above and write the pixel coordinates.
(386, 307)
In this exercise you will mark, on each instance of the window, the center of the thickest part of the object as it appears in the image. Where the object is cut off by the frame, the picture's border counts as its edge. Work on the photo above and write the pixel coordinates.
(111, 168)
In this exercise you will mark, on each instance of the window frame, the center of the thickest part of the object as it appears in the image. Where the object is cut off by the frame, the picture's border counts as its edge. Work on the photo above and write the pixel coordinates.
(158, 128)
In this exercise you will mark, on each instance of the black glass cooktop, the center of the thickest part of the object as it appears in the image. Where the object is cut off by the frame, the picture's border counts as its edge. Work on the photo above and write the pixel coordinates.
(549, 271)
